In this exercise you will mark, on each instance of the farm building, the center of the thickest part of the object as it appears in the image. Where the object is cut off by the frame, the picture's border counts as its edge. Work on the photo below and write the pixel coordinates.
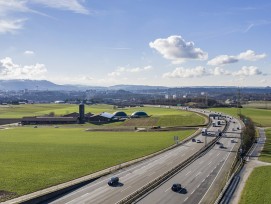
(48, 120)
(101, 118)
(120, 115)
(139, 114)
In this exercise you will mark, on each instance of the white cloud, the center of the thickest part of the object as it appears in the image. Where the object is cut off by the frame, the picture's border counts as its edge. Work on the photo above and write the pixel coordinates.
(7, 6)
(11, 26)
(29, 52)
(71, 5)
(121, 70)
(247, 71)
(219, 71)
(176, 49)
(10, 70)
(181, 72)
(248, 55)
(222, 59)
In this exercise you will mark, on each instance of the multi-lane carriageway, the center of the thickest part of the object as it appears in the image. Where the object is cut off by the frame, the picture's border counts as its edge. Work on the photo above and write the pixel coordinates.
(198, 179)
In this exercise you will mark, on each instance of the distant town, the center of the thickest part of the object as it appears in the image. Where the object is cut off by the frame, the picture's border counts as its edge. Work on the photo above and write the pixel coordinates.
(28, 91)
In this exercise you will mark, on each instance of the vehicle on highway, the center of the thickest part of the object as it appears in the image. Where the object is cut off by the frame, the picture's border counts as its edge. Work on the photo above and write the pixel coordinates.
(238, 128)
(193, 140)
(113, 181)
(232, 141)
(198, 141)
(209, 134)
(221, 146)
(176, 187)
(217, 142)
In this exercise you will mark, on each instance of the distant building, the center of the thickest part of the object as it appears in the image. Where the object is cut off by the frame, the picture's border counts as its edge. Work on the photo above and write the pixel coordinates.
(48, 120)
(59, 102)
(101, 118)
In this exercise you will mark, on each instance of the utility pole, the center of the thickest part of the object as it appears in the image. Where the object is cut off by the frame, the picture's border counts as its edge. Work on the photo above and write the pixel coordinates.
(238, 102)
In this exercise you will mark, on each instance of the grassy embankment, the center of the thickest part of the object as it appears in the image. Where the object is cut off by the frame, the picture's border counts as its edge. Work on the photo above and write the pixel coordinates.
(36, 158)
(257, 189)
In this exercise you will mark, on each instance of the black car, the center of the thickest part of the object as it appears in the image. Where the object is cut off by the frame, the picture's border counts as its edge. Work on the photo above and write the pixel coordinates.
(176, 187)
(193, 140)
(113, 181)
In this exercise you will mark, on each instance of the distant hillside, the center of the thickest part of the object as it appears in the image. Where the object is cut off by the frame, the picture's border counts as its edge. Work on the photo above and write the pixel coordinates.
(21, 84)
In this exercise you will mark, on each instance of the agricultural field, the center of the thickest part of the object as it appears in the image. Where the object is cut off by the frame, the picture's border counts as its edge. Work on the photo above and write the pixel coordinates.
(159, 116)
(258, 104)
(258, 185)
(36, 158)
(260, 117)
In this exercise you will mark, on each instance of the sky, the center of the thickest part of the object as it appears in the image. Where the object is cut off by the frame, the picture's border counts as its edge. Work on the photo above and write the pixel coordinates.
(172, 43)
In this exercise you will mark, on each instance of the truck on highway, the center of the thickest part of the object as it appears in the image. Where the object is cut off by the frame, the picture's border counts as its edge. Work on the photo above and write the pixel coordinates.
(204, 131)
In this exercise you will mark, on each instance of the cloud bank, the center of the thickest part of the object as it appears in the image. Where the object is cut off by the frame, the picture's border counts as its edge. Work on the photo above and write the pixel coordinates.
(10, 70)
(200, 71)
(248, 55)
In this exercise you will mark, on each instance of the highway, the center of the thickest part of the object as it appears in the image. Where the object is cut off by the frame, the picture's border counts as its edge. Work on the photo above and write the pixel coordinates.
(200, 179)
(135, 176)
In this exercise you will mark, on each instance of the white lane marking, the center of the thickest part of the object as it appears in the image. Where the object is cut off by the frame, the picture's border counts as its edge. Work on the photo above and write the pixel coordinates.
(84, 195)
(125, 188)
(151, 173)
(192, 192)
(185, 199)
(218, 154)
(209, 163)
(198, 174)
(188, 173)
(167, 189)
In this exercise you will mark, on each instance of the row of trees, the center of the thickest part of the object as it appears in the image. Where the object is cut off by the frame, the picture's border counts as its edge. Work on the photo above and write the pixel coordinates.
(249, 134)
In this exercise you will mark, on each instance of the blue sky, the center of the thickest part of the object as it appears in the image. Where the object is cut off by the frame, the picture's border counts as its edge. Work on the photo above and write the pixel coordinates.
(148, 42)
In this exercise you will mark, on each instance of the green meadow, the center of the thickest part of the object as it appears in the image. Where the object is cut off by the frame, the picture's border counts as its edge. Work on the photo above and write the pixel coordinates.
(36, 158)
(261, 117)
(258, 185)
(159, 116)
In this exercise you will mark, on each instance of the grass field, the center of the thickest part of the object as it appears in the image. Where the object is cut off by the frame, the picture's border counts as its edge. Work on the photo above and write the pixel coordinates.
(257, 189)
(160, 116)
(260, 117)
(266, 152)
(36, 158)
(258, 104)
